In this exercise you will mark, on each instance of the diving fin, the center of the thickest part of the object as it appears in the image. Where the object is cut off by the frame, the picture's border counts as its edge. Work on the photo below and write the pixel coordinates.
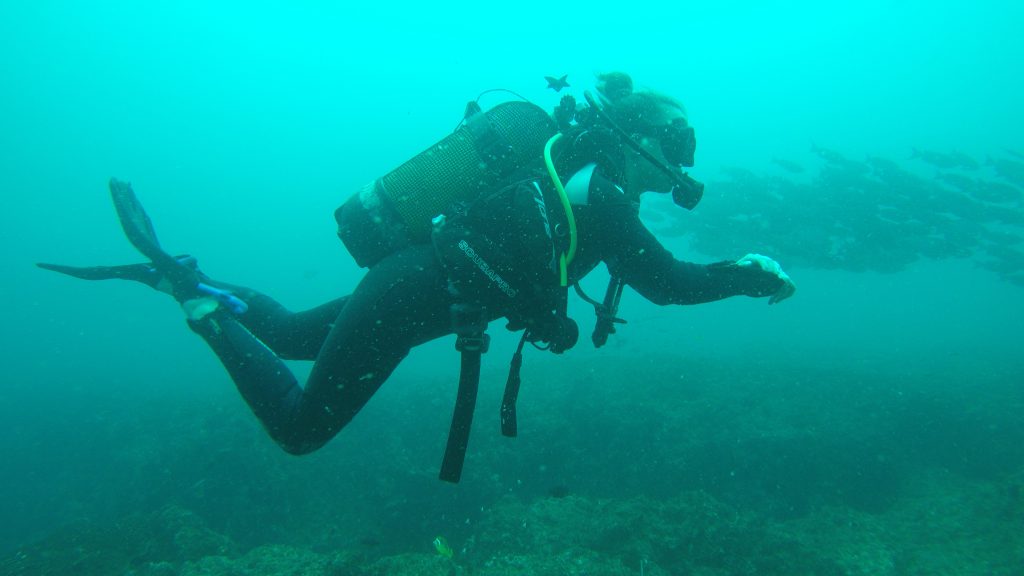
(177, 275)
(143, 273)
(134, 220)
(186, 282)
(138, 228)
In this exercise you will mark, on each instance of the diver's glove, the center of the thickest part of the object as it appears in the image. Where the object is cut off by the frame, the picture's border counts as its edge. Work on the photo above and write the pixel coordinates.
(757, 261)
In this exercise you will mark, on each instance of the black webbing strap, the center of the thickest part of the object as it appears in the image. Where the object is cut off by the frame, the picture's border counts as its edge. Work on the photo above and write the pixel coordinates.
(509, 423)
(469, 323)
(462, 416)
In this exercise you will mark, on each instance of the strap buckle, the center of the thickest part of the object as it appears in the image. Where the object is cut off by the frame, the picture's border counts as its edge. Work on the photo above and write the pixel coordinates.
(476, 343)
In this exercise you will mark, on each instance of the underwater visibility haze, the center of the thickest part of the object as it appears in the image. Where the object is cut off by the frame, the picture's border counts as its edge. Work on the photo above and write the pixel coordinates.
(870, 424)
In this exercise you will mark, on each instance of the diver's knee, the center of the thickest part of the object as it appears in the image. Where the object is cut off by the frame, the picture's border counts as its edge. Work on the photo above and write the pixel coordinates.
(300, 448)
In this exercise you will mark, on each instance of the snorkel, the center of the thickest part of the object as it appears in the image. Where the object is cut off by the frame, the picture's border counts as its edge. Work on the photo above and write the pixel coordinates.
(686, 191)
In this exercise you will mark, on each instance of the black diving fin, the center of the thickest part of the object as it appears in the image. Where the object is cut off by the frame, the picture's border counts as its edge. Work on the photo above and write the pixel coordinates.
(178, 275)
(144, 273)
(138, 228)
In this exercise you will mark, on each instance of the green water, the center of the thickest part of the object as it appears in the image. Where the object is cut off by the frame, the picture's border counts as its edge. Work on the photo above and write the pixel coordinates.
(869, 425)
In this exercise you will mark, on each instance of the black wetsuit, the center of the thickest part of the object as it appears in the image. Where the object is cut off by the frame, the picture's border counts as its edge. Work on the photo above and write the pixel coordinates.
(404, 301)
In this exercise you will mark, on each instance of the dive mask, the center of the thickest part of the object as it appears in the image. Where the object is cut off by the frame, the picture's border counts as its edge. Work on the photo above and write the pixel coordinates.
(678, 142)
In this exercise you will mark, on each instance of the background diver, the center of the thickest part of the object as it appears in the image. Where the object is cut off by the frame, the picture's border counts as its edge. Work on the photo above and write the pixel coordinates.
(497, 220)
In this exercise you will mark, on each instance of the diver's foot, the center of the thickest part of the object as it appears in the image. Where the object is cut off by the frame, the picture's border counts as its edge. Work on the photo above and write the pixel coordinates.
(198, 308)
(179, 285)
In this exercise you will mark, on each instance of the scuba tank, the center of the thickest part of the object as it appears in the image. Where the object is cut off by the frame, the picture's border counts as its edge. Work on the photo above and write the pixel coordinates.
(396, 210)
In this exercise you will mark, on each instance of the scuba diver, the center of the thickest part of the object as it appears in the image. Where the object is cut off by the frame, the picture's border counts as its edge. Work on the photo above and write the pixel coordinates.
(498, 220)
